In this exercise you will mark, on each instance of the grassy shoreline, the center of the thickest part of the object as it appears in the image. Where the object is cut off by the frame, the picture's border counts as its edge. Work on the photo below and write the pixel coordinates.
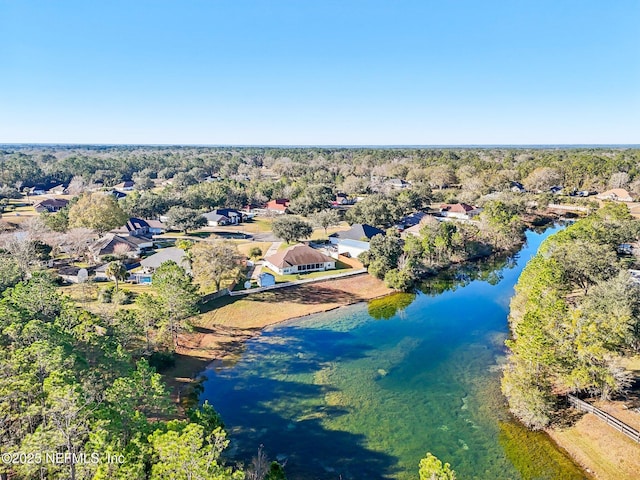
(601, 451)
(225, 324)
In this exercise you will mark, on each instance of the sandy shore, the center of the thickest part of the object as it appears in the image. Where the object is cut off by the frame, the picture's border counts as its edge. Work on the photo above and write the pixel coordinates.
(221, 332)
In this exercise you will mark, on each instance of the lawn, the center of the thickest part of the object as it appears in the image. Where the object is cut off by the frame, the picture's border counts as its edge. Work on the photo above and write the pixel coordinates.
(244, 248)
(606, 452)
(319, 233)
(265, 308)
(17, 211)
(257, 225)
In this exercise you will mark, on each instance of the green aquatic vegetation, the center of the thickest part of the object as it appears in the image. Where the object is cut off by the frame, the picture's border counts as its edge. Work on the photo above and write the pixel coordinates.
(391, 305)
(534, 454)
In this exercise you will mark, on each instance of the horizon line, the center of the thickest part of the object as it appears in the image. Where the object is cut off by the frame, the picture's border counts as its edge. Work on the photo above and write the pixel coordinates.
(345, 146)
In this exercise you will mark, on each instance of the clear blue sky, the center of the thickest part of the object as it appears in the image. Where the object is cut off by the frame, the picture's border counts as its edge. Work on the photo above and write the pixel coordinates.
(320, 72)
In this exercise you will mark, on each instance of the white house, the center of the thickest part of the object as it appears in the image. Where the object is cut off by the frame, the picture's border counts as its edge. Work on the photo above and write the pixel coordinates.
(215, 219)
(223, 216)
(299, 259)
(616, 194)
(352, 248)
(459, 210)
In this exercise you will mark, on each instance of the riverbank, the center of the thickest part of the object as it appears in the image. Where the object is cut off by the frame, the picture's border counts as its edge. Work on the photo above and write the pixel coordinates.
(599, 449)
(226, 323)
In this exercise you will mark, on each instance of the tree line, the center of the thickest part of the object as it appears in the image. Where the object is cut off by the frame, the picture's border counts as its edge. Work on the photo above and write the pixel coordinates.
(309, 177)
(574, 318)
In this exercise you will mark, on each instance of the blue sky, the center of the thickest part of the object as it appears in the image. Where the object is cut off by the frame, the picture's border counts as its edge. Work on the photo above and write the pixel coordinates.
(320, 72)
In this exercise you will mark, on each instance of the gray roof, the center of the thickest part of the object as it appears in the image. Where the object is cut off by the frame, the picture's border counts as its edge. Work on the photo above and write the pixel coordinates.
(358, 231)
(412, 219)
(214, 217)
(164, 255)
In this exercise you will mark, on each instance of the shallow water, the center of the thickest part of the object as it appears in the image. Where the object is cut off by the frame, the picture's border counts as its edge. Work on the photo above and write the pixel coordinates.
(363, 392)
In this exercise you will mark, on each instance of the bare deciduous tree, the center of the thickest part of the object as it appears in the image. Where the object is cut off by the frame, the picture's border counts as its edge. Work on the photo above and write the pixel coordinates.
(619, 180)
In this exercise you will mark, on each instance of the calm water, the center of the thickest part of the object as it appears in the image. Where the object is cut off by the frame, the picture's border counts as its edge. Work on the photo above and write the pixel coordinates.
(364, 391)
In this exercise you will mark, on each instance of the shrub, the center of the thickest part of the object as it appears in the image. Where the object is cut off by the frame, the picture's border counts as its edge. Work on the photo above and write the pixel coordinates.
(121, 297)
(105, 294)
(162, 361)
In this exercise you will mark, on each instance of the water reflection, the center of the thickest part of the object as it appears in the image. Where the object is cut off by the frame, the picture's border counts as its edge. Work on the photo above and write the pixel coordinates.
(346, 395)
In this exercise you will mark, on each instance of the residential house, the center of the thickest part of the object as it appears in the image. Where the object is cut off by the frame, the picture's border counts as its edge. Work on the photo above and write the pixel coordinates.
(358, 231)
(342, 199)
(517, 187)
(616, 194)
(100, 272)
(151, 263)
(584, 193)
(279, 205)
(69, 273)
(459, 210)
(224, 216)
(235, 216)
(114, 244)
(248, 208)
(117, 194)
(397, 183)
(51, 205)
(134, 226)
(36, 190)
(58, 190)
(156, 227)
(299, 259)
(412, 219)
(414, 230)
(266, 280)
(125, 186)
(215, 219)
(138, 229)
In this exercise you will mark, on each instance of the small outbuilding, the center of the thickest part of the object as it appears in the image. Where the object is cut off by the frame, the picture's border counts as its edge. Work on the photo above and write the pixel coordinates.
(266, 279)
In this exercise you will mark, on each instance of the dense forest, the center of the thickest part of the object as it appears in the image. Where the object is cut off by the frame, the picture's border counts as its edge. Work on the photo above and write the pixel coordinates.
(250, 174)
(68, 385)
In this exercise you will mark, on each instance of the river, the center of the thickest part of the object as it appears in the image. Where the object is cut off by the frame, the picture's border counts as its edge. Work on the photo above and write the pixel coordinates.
(363, 392)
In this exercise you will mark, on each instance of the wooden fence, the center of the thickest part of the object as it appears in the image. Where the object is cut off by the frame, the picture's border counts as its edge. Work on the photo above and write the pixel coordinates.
(350, 273)
(632, 433)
